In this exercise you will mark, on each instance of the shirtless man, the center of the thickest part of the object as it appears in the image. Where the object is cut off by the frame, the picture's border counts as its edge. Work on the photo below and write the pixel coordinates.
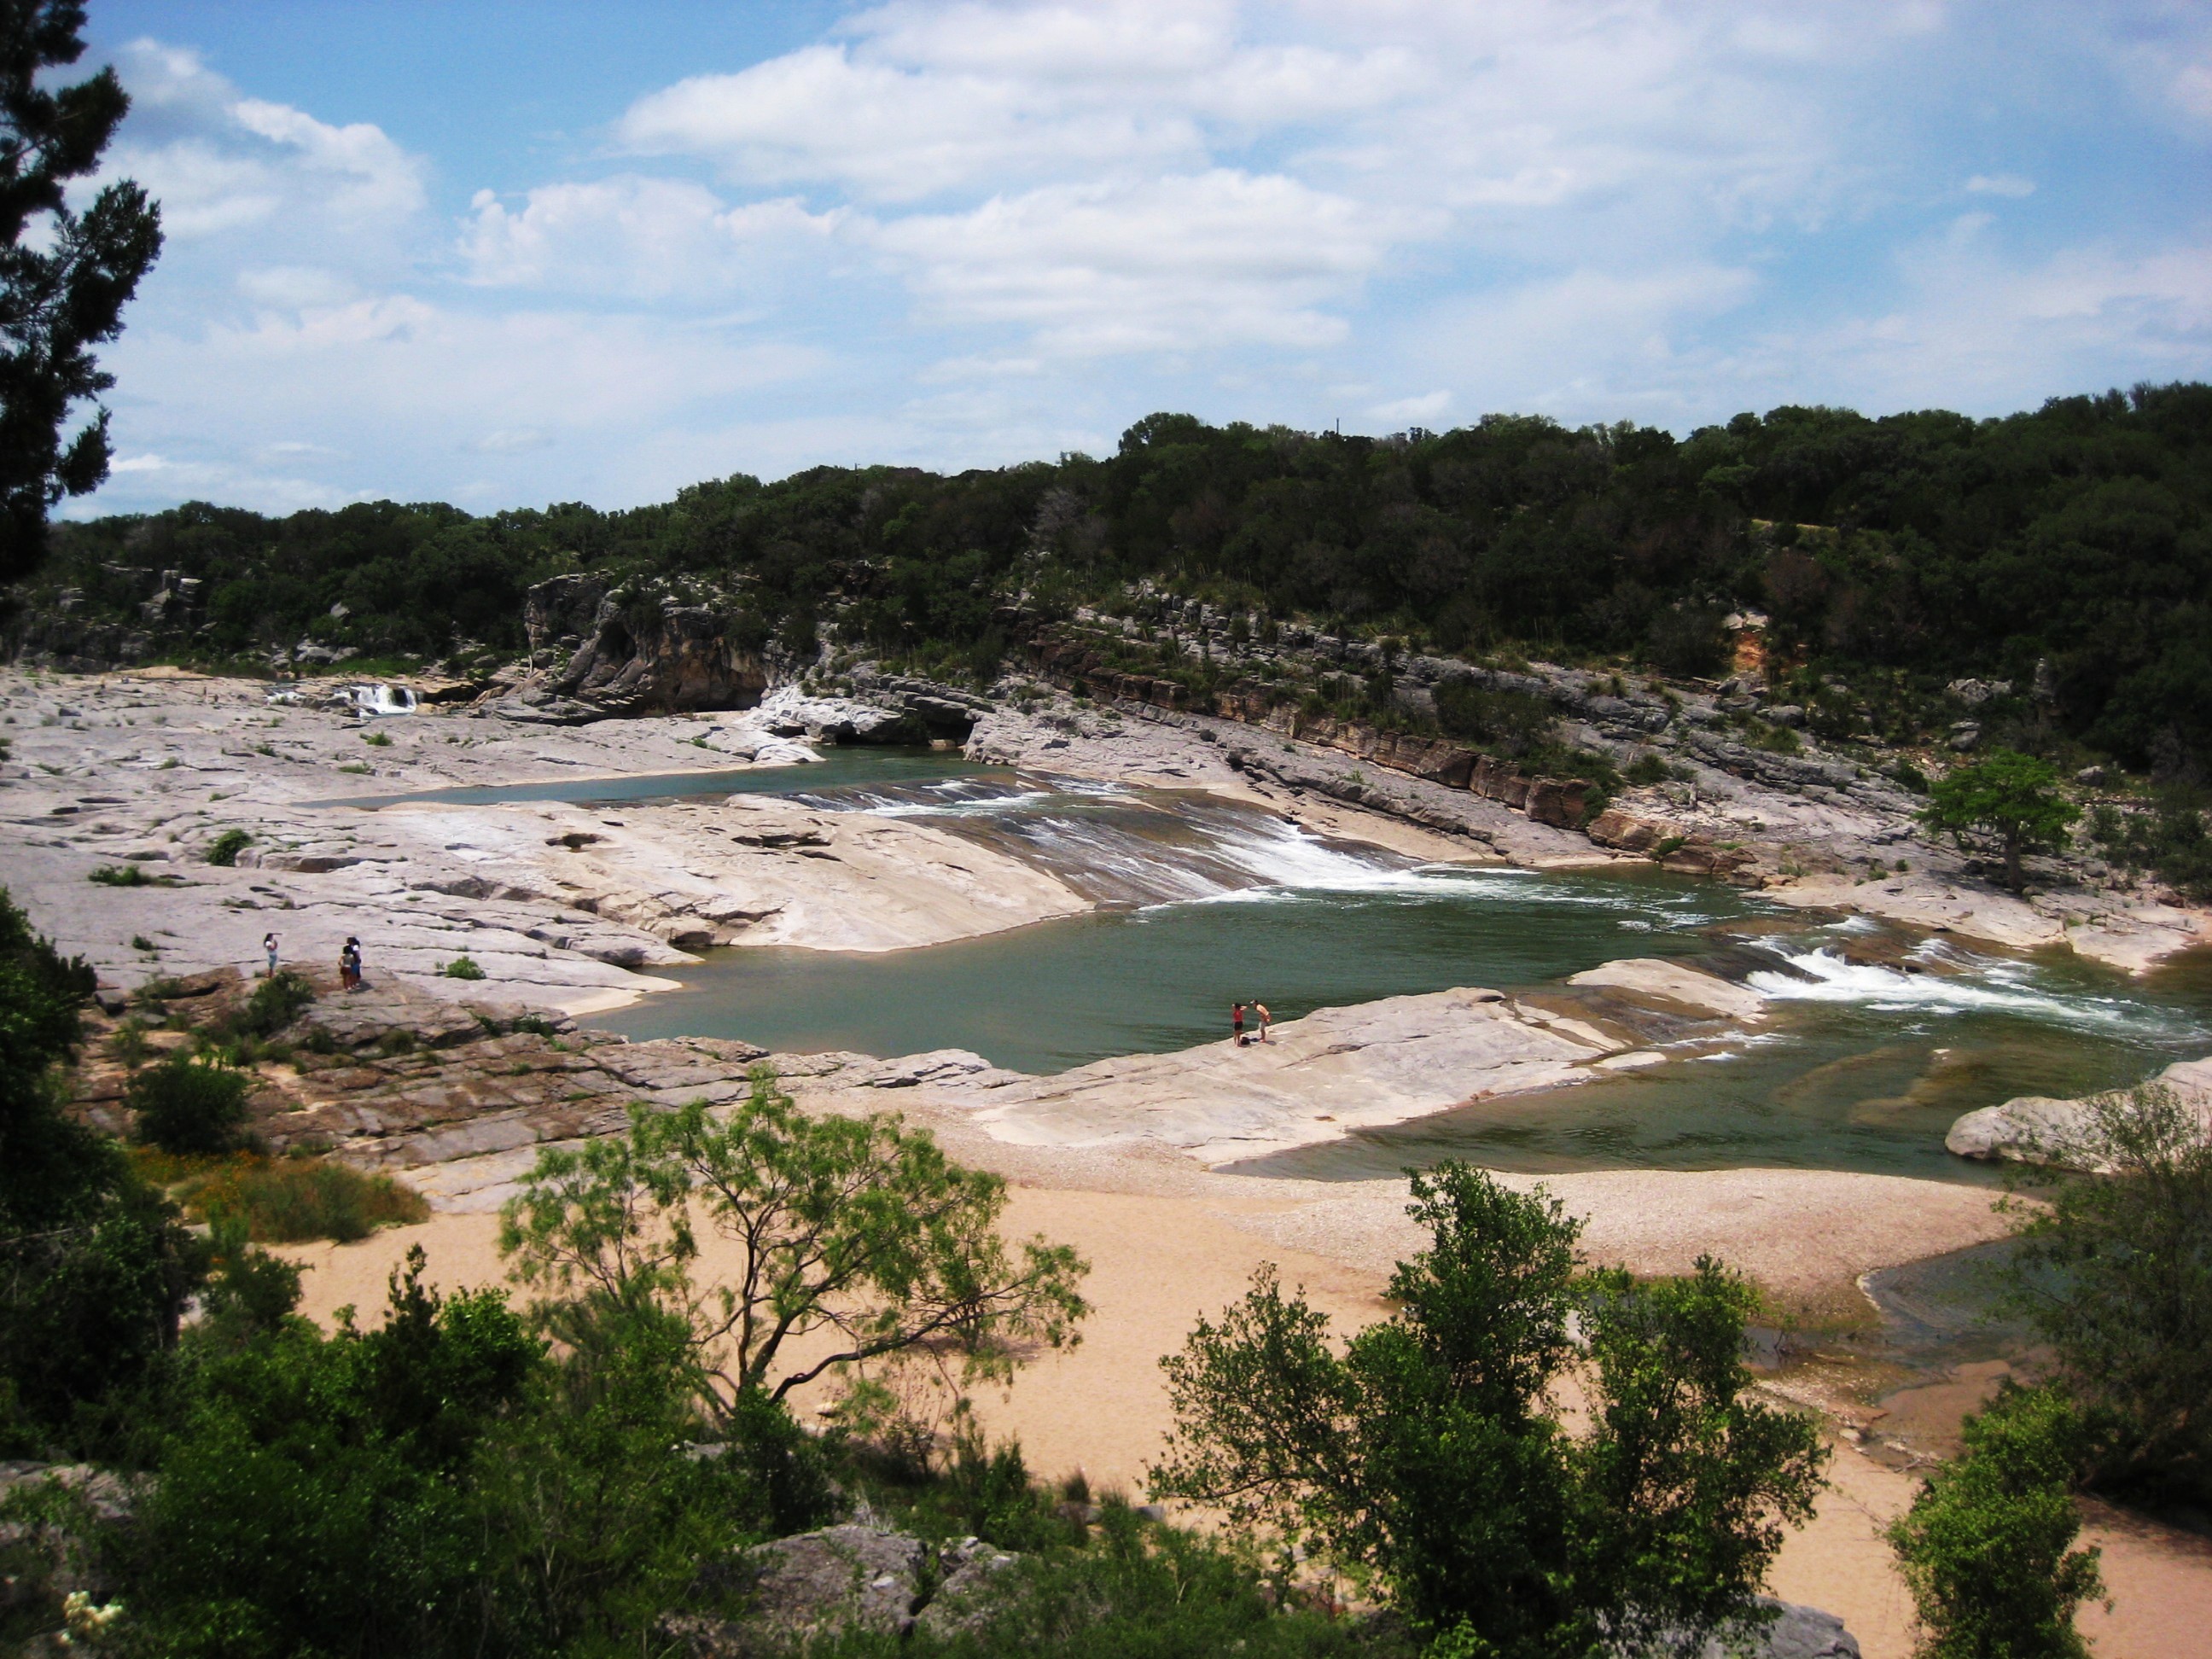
(1260, 1012)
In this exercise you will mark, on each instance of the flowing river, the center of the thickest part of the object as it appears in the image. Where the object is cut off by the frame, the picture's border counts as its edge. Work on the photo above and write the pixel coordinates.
(1877, 1039)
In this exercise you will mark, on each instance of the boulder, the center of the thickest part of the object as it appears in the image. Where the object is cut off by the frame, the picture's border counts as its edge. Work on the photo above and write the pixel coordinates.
(824, 1584)
(1674, 982)
(1557, 801)
(646, 653)
(970, 1573)
(2038, 1129)
(1798, 1632)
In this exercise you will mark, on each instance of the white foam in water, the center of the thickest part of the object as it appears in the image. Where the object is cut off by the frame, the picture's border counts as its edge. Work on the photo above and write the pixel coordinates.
(1994, 987)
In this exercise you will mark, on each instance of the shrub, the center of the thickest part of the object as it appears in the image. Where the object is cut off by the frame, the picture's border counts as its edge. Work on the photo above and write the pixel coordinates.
(377, 739)
(225, 848)
(2116, 1272)
(1986, 1548)
(1648, 768)
(462, 968)
(120, 875)
(287, 1200)
(185, 1105)
(1427, 1453)
(276, 1003)
(2171, 839)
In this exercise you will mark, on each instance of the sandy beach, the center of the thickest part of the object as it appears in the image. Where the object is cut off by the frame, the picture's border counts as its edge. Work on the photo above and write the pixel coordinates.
(1163, 1257)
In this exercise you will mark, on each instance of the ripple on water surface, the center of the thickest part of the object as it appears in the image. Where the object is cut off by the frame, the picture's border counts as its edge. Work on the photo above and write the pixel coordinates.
(1877, 1040)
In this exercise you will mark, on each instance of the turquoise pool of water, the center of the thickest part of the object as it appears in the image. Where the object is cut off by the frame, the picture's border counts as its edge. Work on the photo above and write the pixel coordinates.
(1876, 1039)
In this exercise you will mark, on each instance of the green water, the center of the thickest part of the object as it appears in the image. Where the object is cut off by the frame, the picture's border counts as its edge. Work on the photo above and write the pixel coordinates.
(1876, 1039)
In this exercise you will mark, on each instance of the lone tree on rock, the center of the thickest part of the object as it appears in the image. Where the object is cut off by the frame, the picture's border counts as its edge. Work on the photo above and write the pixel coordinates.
(62, 290)
(2012, 796)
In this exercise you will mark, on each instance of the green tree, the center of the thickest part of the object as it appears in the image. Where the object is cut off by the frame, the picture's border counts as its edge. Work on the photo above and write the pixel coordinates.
(64, 276)
(189, 1106)
(2012, 796)
(2115, 1270)
(95, 1266)
(313, 1497)
(1426, 1452)
(849, 1226)
(1987, 1544)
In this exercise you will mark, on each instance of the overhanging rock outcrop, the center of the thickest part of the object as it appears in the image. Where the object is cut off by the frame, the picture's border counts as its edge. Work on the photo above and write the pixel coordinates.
(634, 654)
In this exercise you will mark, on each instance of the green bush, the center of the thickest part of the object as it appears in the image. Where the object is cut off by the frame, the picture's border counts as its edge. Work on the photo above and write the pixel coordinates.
(288, 1201)
(120, 875)
(377, 739)
(462, 968)
(1986, 1548)
(1426, 1452)
(2115, 1271)
(94, 1269)
(225, 848)
(2171, 840)
(186, 1105)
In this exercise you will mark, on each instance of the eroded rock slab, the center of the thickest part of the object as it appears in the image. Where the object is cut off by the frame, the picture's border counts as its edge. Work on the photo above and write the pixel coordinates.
(2038, 1129)
(1335, 1070)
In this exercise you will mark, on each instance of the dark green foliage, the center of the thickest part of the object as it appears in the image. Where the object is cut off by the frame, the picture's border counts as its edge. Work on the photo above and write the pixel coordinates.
(2170, 840)
(65, 275)
(94, 1269)
(308, 1500)
(2116, 1271)
(120, 875)
(1987, 1546)
(187, 1105)
(1426, 1453)
(1929, 542)
(276, 1002)
(463, 968)
(225, 848)
(2011, 796)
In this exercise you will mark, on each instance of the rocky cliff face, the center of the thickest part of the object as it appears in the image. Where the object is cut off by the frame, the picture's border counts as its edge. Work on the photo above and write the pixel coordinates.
(640, 654)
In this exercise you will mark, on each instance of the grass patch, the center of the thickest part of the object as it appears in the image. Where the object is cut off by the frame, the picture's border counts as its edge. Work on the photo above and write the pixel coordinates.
(288, 1200)
(225, 848)
(130, 875)
(358, 768)
(462, 968)
(377, 739)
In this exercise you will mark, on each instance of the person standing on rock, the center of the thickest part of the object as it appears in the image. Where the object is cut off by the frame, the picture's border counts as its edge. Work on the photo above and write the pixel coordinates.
(350, 964)
(1260, 1012)
(269, 950)
(1236, 1025)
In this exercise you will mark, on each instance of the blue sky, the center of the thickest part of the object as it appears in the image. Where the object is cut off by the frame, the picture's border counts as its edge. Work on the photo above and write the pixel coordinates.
(502, 255)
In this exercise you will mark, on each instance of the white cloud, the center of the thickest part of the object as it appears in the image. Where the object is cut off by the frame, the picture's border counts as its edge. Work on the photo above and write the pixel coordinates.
(1220, 258)
(641, 238)
(220, 163)
(1429, 406)
(952, 233)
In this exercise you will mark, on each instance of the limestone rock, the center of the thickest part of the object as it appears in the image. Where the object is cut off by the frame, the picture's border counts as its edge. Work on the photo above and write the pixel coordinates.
(1675, 982)
(2038, 1129)
(819, 1583)
(1798, 1632)
(971, 1570)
